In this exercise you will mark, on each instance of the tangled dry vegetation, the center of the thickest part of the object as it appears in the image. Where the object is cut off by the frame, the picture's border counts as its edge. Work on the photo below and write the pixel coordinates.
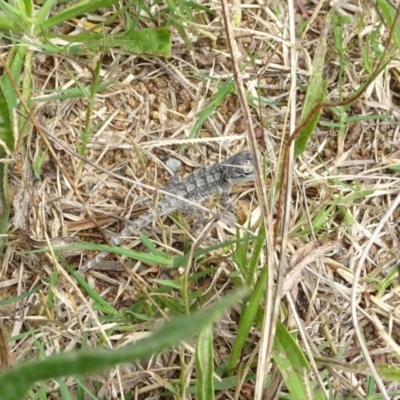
(342, 187)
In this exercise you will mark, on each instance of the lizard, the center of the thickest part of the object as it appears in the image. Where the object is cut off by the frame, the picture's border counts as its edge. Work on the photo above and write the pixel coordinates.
(201, 184)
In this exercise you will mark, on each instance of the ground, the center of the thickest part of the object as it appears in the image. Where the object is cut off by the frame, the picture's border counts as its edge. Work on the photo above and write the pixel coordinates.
(186, 107)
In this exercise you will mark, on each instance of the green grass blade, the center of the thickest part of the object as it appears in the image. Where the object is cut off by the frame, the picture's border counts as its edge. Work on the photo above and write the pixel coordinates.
(143, 41)
(205, 365)
(247, 317)
(151, 246)
(15, 382)
(74, 93)
(99, 303)
(180, 261)
(73, 11)
(16, 64)
(19, 18)
(315, 92)
(22, 296)
(6, 128)
(27, 7)
(225, 89)
(7, 140)
(224, 383)
(388, 13)
(6, 24)
(387, 372)
(291, 363)
(144, 257)
(44, 10)
(255, 256)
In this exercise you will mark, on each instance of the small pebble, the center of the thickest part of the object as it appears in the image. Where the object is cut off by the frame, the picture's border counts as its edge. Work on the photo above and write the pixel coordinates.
(173, 164)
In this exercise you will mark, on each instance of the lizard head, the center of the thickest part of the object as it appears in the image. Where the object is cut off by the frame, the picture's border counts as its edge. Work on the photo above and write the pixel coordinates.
(240, 168)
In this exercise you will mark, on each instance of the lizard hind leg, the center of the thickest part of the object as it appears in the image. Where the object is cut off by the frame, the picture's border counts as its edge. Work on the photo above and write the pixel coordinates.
(173, 181)
(131, 228)
(197, 212)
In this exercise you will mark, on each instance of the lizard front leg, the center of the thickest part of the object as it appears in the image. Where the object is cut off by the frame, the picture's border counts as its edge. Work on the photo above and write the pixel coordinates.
(228, 206)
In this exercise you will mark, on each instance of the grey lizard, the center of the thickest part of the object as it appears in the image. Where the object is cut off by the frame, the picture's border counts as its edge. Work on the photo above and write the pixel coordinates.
(197, 187)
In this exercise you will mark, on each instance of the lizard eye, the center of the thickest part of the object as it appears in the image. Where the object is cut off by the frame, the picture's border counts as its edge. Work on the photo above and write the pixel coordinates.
(240, 168)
